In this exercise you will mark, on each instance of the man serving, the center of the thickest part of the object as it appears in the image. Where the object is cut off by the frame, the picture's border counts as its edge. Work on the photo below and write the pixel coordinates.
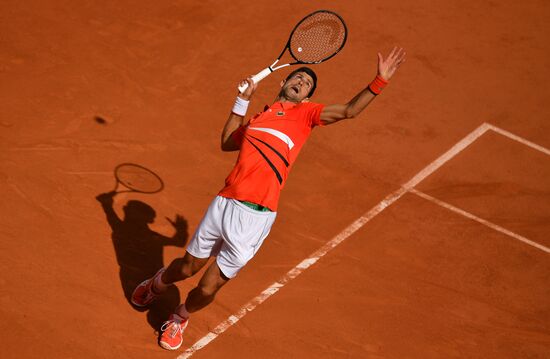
(240, 217)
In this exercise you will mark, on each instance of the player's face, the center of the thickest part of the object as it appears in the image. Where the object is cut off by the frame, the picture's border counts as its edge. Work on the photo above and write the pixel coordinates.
(297, 87)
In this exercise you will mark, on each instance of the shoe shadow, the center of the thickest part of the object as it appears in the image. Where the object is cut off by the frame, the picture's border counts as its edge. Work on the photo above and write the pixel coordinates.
(139, 252)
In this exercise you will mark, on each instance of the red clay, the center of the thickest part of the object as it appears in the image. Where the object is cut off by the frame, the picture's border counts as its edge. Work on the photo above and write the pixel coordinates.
(416, 282)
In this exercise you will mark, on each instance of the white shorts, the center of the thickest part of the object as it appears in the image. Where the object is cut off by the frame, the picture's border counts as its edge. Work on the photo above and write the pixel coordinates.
(231, 232)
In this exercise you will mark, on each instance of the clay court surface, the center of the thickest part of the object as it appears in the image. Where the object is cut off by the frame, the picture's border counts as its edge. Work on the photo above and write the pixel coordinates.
(455, 266)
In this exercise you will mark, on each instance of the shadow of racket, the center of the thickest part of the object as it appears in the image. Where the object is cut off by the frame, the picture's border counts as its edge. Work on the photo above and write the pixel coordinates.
(131, 177)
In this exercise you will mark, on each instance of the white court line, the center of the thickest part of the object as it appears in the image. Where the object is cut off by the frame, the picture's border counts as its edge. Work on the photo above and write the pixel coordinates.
(485, 222)
(462, 144)
(293, 273)
(352, 228)
(519, 139)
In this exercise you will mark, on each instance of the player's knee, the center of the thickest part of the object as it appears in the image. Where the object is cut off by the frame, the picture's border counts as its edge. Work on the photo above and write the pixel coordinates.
(208, 290)
(189, 269)
(186, 271)
(191, 265)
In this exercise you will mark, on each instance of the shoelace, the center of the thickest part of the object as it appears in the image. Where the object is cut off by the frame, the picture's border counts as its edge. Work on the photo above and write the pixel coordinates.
(176, 327)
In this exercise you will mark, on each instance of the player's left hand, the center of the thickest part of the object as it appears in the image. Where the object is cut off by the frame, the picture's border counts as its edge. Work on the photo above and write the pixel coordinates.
(387, 67)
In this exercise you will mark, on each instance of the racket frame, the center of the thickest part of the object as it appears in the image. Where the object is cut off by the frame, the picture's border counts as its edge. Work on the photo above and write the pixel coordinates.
(268, 70)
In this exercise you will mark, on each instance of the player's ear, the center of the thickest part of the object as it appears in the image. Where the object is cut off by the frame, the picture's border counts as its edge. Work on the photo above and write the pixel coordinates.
(282, 82)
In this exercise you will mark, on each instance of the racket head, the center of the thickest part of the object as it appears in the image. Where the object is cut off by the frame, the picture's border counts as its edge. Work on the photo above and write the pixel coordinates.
(138, 178)
(317, 37)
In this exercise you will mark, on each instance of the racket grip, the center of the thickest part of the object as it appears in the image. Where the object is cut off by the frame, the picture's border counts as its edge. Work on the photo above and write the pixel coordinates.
(257, 78)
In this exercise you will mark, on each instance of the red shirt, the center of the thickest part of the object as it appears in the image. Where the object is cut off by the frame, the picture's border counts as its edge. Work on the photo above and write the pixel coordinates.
(270, 144)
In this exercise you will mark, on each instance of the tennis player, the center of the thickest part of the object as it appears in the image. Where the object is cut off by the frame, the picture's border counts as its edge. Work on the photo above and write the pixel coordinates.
(240, 217)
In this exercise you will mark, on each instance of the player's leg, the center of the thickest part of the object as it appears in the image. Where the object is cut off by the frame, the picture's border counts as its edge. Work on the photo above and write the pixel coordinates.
(205, 243)
(180, 269)
(244, 230)
(202, 295)
(212, 281)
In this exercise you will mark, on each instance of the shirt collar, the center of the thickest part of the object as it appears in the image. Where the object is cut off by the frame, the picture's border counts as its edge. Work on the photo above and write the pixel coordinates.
(287, 105)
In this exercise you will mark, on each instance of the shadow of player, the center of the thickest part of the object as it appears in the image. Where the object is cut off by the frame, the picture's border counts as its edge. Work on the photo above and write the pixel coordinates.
(139, 251)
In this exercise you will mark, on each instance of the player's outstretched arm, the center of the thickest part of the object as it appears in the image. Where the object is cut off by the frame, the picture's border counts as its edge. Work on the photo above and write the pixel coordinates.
(236, 118)
(386, 69)
(107, 201)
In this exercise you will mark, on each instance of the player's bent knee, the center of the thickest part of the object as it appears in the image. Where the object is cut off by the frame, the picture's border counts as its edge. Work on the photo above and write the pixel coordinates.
(187, 271)
(191, 269)
(208, 290)
(192, 265)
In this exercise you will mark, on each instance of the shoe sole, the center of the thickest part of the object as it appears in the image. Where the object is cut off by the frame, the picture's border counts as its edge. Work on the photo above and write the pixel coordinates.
(167, 346)
(164, 345)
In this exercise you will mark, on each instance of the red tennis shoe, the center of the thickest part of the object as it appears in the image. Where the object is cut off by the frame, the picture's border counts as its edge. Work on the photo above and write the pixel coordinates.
(143, 295)
(171, 336)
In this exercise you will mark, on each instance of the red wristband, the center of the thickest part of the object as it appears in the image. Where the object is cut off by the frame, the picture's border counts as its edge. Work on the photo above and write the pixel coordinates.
(377, 85)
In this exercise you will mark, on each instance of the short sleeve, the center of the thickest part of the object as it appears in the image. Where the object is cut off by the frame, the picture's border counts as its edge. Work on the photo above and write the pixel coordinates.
(314, 114)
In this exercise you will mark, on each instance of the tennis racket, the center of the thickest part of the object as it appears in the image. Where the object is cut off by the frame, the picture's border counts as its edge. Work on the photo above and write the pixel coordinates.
(316, 38)
(135, 178)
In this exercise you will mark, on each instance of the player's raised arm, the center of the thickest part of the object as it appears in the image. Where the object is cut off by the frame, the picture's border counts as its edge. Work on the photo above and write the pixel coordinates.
(386, 69)
(237, 116)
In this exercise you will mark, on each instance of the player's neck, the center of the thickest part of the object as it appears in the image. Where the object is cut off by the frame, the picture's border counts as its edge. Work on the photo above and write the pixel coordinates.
(282, 98)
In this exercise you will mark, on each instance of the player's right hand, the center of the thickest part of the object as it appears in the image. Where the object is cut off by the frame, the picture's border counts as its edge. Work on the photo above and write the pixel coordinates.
(252, 86)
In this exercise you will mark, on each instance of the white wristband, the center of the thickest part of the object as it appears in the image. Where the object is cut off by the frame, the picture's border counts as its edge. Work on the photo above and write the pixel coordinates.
(240, 107)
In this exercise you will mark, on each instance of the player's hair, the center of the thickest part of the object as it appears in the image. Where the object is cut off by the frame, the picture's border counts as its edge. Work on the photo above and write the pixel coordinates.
(308, 71)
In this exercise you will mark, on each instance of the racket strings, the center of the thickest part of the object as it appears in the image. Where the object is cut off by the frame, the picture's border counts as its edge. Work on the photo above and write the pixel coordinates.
(138, 178)
(318, 37)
